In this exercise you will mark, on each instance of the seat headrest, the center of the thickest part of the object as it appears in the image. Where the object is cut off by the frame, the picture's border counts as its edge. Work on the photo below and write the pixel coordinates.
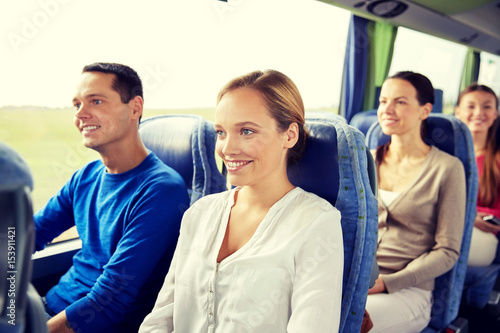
(171, 140)
(324, 115)
(186, 143)
(318, 170)
(364, 120)
(439, 133)
(14, 170)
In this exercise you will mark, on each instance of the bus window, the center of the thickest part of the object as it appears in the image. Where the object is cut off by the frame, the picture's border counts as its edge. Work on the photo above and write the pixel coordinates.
(183, 52)
(489, 71)
(440, 60)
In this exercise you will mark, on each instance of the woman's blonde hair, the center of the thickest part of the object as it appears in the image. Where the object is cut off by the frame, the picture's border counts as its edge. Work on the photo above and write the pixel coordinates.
(283, 101)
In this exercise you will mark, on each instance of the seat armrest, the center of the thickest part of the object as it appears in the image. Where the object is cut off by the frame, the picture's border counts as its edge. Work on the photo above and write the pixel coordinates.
(52, 262)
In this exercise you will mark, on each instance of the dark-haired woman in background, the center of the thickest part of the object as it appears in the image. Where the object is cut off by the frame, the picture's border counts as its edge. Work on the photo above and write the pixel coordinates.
(421, 208)
(477, 107)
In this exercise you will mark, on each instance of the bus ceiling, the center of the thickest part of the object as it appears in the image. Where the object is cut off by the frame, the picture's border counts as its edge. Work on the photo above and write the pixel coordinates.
(472, 23)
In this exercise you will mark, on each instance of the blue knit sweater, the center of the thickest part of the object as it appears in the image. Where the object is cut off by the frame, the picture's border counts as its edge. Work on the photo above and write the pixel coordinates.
(129, 224)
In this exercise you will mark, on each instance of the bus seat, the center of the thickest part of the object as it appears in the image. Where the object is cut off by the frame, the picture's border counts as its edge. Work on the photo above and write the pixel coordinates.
(486, 289)
(325, 115)
(21, 308)
(363, 120)
(437, 107)
(452, 136)
(481, 299)
(335, 167)
(187, 144)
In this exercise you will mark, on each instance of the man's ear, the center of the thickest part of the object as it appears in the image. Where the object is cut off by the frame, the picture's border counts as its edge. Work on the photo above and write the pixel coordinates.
(291, 135)
(137, 104)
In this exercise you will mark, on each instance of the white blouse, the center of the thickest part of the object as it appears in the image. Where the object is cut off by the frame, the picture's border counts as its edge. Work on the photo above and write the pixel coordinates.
(287, 278)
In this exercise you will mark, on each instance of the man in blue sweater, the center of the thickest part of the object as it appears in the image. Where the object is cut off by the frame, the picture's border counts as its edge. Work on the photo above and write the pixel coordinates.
(127, 208)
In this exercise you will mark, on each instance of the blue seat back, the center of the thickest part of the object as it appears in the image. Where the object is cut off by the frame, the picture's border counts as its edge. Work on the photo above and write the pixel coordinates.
(21, 308)
(17, 236)
(452, 136)
(364, 120)
(327, 115)
(186, 143)
(335, 166)
(437, 107)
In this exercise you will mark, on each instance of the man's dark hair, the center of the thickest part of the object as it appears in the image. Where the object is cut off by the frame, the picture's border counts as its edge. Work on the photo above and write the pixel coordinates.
(126, 82)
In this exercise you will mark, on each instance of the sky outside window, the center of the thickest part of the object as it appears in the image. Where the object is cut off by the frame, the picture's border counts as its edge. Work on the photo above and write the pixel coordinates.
(183, 50)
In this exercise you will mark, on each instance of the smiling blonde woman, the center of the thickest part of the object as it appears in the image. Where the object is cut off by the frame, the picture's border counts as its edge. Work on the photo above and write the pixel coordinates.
(241, 264)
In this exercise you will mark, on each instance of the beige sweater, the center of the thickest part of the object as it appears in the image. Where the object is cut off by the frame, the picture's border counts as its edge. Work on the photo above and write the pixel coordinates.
(420, 232)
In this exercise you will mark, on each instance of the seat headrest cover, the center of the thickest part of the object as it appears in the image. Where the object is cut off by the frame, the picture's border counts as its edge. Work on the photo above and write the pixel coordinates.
(170, 139)
(364, 120)
(318, 170)
(14, 171)
(324, 115)
(440, 133)
(186, 143)
(334, 167)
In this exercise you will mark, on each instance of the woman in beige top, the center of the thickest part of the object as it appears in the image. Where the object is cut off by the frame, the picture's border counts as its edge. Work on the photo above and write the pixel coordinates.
(421, 208)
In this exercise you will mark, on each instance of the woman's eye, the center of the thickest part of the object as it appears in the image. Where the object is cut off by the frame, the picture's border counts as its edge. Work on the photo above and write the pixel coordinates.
(77, 105)
(246, 131)
(97, 101)
(219, 133)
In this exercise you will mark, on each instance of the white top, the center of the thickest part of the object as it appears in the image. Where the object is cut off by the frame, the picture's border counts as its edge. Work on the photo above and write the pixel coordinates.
(287, 278)
(387, 197)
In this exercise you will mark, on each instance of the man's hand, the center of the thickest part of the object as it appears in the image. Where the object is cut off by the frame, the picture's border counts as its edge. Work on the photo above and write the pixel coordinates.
(59, 324)
(378, 287)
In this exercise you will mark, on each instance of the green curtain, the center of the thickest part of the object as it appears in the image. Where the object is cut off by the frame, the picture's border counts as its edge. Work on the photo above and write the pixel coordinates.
(382, 37)
(470, 71)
